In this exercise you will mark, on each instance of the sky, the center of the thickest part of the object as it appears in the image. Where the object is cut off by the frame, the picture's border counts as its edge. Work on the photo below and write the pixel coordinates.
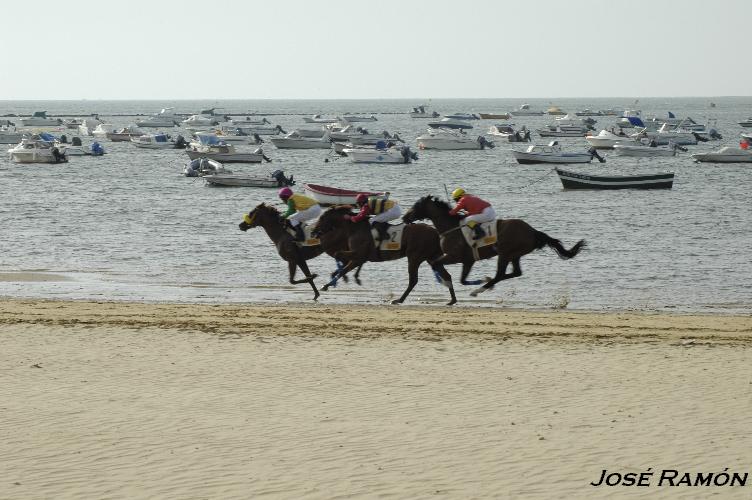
(352, 49)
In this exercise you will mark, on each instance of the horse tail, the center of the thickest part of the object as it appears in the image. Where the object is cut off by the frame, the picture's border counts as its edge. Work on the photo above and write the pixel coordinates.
(542, 239)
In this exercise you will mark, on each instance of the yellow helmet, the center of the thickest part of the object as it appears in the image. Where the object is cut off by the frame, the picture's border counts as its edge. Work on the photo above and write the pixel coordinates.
(458, 193)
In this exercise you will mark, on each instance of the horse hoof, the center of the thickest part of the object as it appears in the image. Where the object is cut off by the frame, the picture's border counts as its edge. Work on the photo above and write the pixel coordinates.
(487, 279)
(451, 302)
(358, 282)
(325, 288)
(316, 297)
(313, 277)
(396, 302)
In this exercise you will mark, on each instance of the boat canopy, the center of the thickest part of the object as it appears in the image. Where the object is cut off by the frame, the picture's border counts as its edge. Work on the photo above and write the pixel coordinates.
(636, 121)
(160, 138)
(47, 137)
(208, 139)
(40, 114)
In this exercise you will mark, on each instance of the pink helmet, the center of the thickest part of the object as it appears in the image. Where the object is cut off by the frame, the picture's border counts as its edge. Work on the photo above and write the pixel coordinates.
(285, 193)
(361, 198)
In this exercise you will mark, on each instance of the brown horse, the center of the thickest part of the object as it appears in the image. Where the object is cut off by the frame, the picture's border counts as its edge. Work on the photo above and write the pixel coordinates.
(352, 242)
(515, 238)
(296, 256)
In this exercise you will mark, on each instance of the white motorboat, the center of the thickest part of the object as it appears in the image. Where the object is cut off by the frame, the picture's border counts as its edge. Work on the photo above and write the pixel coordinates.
(124, 134)
(200, 121)
(37, 149)
(589, 112)
(607, 139)
(229, 138)
(204, 166)
(248, 121)
(225, 153)
(275, 179)
(570, 120)
(316, 131)
(72, 123)
(394, 154)
(726, 154)
(525, 110)
(158, 141)
(666, 134)
(645, 151)
(420, 112)
(9, 135)
(445, 139)
(562, 131)
(356, 118)
(463, 116)
(507, 133)
(88, 125)
(165, 118)
(552, 153)
(259, 130)
(103, 130)
(320, 119)
(631, 118)
(295, 141)
(40, 119)
(373, 139)
(746, 123)
(452, 123)
(75, 148)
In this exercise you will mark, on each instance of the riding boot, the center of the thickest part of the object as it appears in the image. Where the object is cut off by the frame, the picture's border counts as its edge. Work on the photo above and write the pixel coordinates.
(479, 233)
(299, 235)
(382, 228)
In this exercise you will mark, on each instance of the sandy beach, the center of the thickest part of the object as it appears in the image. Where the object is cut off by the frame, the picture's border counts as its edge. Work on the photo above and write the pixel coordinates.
(134, 400)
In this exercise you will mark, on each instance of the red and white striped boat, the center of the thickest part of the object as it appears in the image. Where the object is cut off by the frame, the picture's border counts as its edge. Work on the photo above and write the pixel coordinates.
(326, 195)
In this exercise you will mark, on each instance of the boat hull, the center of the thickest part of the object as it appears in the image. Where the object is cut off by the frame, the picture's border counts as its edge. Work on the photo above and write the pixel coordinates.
(226, 157)
(491, 116)
(283, 143)
(447, 144)
(642, 151)
(525, 158)
(334, 196)
(374, 156)
(722, 158)
(239, 180)
(573, 180)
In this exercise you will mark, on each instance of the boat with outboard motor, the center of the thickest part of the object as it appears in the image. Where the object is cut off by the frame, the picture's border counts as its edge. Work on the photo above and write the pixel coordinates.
(525, 110)
(320, 119)
(447, 139)
(40, 119)
(382, 153)
(210, 146)
(327, 195)
(76, 148)
(607, 139)
(158, 141)
(124, 134)
(420, 112)
(274, 179)
(507, 133)
(452, 123)
(248, 121)
(726, 154)
(552, 153)
(574, 180)
(295, 141)
(204, 166)
(650, 150)
(165, 118)
(38, 148)
(667, 134)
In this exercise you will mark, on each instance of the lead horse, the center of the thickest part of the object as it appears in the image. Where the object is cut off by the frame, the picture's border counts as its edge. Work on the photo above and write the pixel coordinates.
(353, 243)
(296, 256)
(515, 239)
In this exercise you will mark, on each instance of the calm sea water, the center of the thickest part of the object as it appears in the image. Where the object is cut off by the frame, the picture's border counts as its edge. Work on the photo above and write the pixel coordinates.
(129, 226)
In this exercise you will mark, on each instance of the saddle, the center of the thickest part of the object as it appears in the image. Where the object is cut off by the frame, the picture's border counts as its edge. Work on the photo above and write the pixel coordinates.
(489, 229)
(308, 240)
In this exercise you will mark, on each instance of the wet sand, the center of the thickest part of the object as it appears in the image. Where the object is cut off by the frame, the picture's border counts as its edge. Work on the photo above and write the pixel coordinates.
(132, 400)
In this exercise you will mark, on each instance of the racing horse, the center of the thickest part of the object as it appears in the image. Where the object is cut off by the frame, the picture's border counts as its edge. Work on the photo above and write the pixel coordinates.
(353, 243)
(515, 239)
(270, 219)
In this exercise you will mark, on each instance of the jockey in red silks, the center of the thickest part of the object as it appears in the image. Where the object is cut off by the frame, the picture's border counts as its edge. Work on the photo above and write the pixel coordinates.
(477, 210)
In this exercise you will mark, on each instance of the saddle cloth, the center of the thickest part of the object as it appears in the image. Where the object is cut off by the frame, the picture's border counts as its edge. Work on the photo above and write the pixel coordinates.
(489, 228)
(309, 240)
(393, 240)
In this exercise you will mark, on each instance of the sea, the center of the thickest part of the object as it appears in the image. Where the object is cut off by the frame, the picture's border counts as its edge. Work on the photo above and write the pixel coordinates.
(128, 226)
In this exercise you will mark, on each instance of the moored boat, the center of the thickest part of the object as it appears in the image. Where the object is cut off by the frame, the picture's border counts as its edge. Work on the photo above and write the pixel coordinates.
(275, 179)
(645, 151)
(295, 141)
(158, 141)
(37, 149)
(383, 154)
(525, 110)
(607, 139)
(452, 123)
(552, 153)
(726, 154)
(327, 195)
(574, 180)
(40, 119)
(165, 118)
(494, 116)
(444, 139)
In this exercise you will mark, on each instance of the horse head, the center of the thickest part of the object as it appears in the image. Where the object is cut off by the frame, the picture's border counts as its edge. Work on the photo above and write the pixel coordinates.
(331, 220)
(258, 216)
(428, 207)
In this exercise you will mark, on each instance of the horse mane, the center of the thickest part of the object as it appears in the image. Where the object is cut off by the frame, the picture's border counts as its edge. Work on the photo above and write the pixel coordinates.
(438, 201)
(337, 210)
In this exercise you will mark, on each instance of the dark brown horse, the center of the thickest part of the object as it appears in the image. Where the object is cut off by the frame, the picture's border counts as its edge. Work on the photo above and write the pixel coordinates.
(352, 242)
(515, 238)
(296, 256)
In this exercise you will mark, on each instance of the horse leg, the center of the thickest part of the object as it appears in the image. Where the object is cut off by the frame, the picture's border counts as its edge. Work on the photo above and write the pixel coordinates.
(412, 271)
(446, 280)
(292, 266)
(348, 267)
(334, 275)
(309, 277)
(357, 275)
(501, 268)
(516, 269)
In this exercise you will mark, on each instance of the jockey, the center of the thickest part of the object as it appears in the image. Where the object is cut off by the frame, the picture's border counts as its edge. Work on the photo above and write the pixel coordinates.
(299, 209)
(382, 209)
(477, 210)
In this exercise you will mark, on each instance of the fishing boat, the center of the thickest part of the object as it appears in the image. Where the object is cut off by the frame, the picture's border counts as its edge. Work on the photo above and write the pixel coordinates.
(494, 116)
(326, 195)
(573, 180)
(275, 179)
(9, 135)
(37, 149)
(382, 154)
(552, 153)
(204, 166)
(444, 139)
(726, 154)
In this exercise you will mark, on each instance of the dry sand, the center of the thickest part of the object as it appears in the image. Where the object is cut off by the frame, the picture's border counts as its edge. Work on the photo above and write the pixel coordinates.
(127, 400)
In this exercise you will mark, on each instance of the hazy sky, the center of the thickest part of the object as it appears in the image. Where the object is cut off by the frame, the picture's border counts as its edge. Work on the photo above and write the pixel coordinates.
(374, 49)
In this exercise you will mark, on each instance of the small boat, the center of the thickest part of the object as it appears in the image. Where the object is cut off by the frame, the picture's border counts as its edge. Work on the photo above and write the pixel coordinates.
(562, 131)
(607, 139)
(555, 110)
(452, 123)
(295, 141)
(420, 112)
(124, 134)
(275, 179)
(211, 147)
(247, 121)
(726, 154)
(165, 118)
(589, 112)
(75, 148)
(204, 166)
(525, 110)
(89, 125)
(201, 121)
(40, 119)
(320, 119)
(355, 118)
(647, 151)
(37, 149)
(326, 195)
(494, 116)
(507, 133)
(72, 123)
(666, 134)
(258, 130)
(383, 154)
(552, 153)
(447, 140)
(9, 135)
(573, 180)
(746, 123)
(158, 141)
(462, 116)
(609, 112)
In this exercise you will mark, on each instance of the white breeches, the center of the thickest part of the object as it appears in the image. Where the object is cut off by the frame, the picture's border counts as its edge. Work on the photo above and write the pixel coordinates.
(304, 215)
(487, 215)
(393, 213)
